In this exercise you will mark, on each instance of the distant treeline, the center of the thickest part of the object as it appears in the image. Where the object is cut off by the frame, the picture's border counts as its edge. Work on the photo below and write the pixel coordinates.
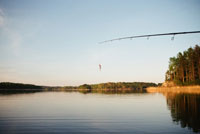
(9, 85)
(119, 87)
(184, 69)
(110, 87)
(13, 88)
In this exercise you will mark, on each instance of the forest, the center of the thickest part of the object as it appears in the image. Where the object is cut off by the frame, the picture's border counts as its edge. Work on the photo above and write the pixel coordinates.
(118, 87)
(110, 87)
(9, 85)
(184, 69)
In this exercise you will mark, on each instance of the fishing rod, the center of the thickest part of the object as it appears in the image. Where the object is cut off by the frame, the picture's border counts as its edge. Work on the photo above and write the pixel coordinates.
(150, 35)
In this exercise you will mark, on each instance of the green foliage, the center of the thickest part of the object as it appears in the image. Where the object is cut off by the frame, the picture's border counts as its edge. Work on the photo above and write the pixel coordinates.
(13, 88)
(110, 87)
(69, 87)
(119, 87)
(85, 86)
(184, 69)
(9, 85)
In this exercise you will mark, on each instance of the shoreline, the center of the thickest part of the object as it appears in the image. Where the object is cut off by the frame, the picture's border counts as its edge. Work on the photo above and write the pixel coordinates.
(175, 89)
(172, 89)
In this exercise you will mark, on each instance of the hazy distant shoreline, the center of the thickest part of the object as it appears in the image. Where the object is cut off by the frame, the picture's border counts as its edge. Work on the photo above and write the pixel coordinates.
(110, 87)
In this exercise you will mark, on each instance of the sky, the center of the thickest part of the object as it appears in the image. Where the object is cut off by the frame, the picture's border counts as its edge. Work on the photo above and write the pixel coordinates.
(56, 43)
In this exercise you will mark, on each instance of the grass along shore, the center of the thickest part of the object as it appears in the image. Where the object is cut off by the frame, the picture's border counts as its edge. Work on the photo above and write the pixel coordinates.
(175, 89)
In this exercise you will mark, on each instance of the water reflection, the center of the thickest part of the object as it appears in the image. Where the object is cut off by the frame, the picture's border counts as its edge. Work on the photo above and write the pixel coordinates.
(73, 112)
(185, 110)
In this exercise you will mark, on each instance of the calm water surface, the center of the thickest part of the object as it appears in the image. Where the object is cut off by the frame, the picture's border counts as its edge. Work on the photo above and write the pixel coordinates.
(62, 112)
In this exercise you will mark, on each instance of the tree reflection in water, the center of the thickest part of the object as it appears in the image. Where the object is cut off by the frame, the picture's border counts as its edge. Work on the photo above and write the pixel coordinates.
(185, 109)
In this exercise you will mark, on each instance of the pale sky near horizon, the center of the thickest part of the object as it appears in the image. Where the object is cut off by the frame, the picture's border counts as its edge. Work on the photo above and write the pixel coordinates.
(55, 43)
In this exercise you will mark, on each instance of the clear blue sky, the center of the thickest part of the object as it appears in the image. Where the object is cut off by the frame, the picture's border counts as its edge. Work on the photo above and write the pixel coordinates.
(50, 42)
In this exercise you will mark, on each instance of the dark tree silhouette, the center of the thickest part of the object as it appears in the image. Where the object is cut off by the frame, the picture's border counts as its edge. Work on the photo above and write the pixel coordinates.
(184, 69)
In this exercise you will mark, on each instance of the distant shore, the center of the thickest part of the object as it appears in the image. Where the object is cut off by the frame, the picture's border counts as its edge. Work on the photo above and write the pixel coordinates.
(121, 87)
(175, 89)
(109, 87)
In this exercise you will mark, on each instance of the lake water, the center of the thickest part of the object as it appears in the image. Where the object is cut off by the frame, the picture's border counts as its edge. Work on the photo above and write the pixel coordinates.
(73, 113)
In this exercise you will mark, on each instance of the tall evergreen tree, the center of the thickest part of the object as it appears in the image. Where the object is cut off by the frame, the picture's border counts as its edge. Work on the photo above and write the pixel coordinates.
(184, 69)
